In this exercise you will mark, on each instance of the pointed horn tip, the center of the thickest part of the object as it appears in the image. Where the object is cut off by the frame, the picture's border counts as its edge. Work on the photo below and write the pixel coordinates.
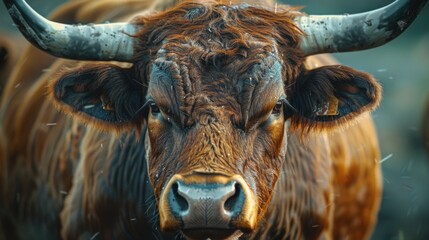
(34, 31)
(400, 12)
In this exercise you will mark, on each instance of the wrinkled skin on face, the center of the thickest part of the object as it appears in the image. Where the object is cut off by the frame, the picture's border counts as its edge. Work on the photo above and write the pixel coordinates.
(216, 98)
(225, 118)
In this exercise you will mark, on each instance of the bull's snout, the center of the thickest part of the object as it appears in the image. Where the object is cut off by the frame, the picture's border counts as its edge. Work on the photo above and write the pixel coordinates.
(214, 204)
(207, 204)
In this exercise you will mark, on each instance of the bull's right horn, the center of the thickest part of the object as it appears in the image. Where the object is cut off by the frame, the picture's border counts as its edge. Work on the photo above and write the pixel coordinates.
(343, 33)
(102, 42)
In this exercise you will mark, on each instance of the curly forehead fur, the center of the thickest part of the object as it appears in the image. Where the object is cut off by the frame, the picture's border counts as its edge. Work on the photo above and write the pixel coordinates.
(223, 30)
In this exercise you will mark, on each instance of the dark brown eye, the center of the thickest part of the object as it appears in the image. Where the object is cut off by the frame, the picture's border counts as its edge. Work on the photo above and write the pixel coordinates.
(154, 109)
(277, 108)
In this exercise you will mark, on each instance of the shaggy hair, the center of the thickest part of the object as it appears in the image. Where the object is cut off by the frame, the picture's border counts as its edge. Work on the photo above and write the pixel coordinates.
(229, 27)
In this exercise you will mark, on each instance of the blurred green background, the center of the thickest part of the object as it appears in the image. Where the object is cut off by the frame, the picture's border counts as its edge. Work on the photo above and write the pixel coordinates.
(402, 67)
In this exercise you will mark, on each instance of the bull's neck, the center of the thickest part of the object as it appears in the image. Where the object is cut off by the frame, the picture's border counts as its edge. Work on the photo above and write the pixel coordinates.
(303, 181)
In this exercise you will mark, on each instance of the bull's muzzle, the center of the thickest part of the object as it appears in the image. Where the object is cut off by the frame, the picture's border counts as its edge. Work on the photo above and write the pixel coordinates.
(207, 206)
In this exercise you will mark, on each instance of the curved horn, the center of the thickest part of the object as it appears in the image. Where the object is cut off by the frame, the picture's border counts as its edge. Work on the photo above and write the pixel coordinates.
(103, 42)
(343, 33)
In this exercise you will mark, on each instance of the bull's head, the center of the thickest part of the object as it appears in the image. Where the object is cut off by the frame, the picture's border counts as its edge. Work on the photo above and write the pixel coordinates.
(216, 88)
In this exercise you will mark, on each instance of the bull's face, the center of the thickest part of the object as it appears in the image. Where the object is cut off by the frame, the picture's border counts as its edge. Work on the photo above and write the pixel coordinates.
(216, 136)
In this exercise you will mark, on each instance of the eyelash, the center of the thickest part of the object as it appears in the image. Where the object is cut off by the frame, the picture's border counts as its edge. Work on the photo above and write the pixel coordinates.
(284, 104)
(277, 108)
(154, 109)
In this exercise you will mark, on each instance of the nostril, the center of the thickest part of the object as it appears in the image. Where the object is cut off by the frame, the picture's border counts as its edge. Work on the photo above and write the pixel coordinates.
(202, 202)
(234, 204)
(178, 204)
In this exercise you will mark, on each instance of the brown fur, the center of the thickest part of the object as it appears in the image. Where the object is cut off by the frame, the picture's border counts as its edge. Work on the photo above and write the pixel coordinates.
(9, 54)
(216, 117)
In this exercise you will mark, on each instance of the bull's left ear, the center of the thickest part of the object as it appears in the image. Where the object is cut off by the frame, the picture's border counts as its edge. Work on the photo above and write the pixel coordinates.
(104, 95)
(333, 95)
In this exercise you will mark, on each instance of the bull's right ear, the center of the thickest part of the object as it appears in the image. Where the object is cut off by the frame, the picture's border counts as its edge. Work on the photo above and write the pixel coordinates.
(332, 96)
(107, 95)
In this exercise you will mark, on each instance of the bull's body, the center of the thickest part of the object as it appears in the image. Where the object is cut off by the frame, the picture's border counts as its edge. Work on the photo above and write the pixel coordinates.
(60, 177)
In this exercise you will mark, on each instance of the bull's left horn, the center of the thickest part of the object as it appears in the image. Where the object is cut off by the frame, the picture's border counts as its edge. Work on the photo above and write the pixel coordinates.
(343, 33)
(102, 42)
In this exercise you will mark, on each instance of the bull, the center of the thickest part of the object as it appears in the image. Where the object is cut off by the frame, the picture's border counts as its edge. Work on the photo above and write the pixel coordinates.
(209, 120)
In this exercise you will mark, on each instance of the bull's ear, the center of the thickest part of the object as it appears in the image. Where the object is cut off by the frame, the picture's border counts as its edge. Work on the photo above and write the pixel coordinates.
(106, 95)
(332, 96)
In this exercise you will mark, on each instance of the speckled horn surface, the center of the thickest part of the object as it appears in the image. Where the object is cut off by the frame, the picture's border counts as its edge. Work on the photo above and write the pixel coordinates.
(102, 42)
(344, 33)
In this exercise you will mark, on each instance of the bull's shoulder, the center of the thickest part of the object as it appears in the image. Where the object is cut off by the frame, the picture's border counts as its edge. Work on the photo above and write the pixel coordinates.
(328, 181)
(38, 144)
(356, 179)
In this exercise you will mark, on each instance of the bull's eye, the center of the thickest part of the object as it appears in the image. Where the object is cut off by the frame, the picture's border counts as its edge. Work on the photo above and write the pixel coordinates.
(277, 108)
(154, 109)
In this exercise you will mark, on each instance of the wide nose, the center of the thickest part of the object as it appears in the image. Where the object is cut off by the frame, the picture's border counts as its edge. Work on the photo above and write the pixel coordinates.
(206, 205)
(207, 201)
